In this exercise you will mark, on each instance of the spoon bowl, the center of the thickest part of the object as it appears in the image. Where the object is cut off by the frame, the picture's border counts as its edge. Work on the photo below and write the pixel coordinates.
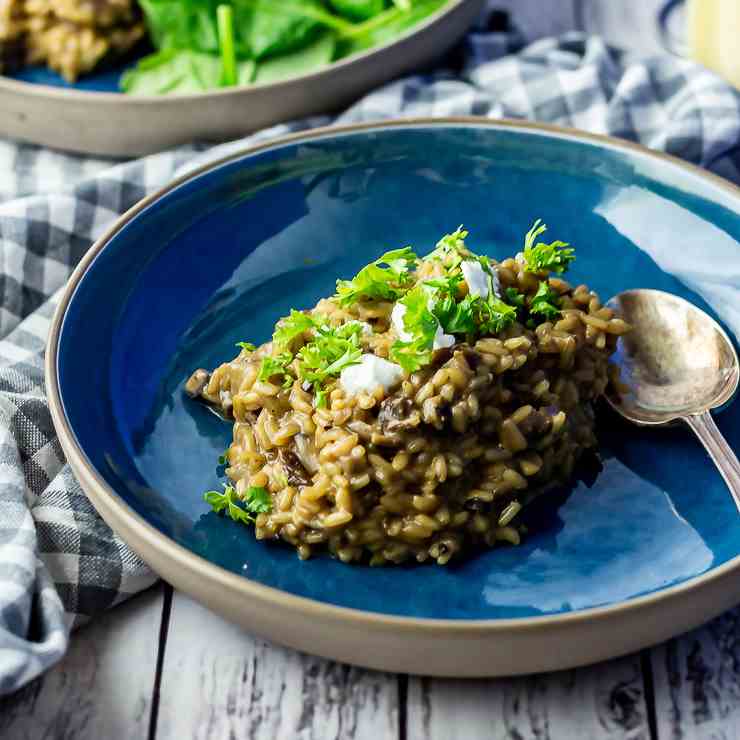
(676, 365)
(676, 361)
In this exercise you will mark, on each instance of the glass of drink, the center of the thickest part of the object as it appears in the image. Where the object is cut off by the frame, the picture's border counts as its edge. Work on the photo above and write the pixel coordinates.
(712, 35)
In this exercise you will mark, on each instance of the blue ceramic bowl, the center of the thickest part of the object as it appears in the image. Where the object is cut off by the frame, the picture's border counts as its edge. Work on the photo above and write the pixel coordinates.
(220, 256)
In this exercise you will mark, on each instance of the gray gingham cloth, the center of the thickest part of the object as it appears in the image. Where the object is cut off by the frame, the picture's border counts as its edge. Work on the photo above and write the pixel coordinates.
(59, 563)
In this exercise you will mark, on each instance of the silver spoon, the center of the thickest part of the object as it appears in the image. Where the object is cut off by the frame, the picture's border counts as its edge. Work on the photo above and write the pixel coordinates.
(676, 364)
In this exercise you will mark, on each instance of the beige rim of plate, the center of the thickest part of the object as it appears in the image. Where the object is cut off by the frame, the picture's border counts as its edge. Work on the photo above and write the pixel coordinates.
(114, 124)
(463, 648)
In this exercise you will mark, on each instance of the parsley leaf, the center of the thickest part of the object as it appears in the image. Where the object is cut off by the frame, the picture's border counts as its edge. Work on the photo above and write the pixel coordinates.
(320, 398)
(446, 285)
(422, 324)
(451, 248)
(545, 302)
(228, 502)
(328, 353)
(400, 261)
(272, 366)
(329, 350)
(515, 298)
(247, 346)
(257, 500)
(418, 320)
(291, 327)
(477, 315)
(458, 318)
(412, 356)
(385, 279)
(541, 257)
(494, 314)
(223, 459)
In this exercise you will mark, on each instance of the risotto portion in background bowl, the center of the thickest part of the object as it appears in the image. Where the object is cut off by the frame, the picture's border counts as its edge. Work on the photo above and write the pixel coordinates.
(412, 415)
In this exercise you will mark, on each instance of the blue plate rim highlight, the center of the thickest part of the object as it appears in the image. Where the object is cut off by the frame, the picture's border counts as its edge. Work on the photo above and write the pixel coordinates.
(114, 509)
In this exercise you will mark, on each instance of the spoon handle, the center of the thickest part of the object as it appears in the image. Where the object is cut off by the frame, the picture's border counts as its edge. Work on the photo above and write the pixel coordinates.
(720, 452)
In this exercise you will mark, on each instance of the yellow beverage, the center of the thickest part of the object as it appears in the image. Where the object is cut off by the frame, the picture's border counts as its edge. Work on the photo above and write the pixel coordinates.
(714, 36)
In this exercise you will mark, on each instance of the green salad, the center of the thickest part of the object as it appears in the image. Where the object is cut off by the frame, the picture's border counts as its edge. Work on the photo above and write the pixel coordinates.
(207, 44)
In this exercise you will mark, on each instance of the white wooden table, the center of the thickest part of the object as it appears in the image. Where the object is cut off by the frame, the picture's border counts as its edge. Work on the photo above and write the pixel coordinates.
(164, 667)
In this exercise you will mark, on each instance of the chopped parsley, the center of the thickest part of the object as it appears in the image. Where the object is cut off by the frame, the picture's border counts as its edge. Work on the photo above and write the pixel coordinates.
(292, 326)
(327, 354)
(515, 298)
(321, 398)
(224, 458)
(421, 323)
(493, 315)
(541, 257)
(272, 366)
(413, 355)
(309, 349)
(456, 318)
(446, 285)
(433, 303)
(418, 319)
(323, 357)
(256, 501)
(474, 316)
(386, 279)
(545, 302)
(451, 249)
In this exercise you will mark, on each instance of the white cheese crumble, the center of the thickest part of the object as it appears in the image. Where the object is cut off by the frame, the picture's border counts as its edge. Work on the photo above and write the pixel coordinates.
(441, 340)
(477, 279)
(370, 373)
(397, 314)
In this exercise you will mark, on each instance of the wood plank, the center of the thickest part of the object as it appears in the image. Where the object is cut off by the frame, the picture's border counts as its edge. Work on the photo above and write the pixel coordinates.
(594, 703)
(697, 682)
(628, 24)
(535, 18)
(219, 682)
(102, 688)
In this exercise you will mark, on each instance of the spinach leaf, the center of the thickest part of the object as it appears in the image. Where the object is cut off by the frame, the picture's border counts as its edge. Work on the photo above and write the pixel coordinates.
(387, 26)
(260, 40)
(178, 72)
(192, 24)
(174, 24)
(279, 27)
(316, 54)
(359, 10)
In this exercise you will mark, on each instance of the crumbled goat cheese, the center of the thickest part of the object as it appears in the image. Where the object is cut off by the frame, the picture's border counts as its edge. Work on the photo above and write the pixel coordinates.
(368, 374)
(477, 279)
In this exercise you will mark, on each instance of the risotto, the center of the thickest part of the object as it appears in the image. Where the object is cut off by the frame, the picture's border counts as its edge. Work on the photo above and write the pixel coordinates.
(413, 414)
(70, 36)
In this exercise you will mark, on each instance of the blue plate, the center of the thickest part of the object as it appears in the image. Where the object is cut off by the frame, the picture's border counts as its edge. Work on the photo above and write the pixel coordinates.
(220, 257)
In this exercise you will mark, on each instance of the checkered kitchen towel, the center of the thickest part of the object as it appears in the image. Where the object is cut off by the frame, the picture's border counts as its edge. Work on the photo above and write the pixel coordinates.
(59, 563)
